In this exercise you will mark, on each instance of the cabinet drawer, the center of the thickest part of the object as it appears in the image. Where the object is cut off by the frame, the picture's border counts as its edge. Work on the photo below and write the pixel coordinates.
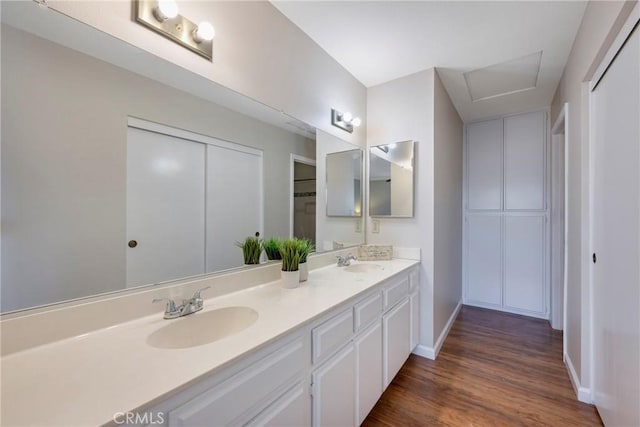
(366, 311)
(291, 409)
(395, 291)
(331, 335)
(226, 402)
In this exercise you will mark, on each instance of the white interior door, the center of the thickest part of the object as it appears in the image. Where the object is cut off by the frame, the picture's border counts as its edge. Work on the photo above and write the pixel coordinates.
(484, 259)
(616, 235)
(165, 207)
(484, 165)
(234, 202)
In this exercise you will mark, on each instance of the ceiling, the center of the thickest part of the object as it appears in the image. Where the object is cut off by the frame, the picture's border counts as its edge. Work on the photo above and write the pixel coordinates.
(379, 41)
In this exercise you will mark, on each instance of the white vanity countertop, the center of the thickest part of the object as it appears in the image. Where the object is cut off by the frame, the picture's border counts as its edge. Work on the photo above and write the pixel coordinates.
(85, 380)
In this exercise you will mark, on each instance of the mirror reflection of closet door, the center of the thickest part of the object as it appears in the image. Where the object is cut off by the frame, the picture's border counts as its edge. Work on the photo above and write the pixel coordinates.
(165, 207)
(234, 202)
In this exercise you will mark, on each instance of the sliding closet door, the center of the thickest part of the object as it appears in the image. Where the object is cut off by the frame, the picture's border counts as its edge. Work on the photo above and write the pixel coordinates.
(165, 207)
(616, 236)
(234, 202)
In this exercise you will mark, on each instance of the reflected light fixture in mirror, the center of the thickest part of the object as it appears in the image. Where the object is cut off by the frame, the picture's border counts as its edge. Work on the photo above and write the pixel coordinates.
(162, 16)
(344, 121)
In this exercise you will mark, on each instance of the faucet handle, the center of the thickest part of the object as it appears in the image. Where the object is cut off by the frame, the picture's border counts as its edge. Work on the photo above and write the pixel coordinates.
(171, 304)
(196, 294)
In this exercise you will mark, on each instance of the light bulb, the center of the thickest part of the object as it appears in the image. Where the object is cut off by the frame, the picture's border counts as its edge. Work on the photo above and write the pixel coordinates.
(356, 122)
(347, 117)
(167, 9)
(204, 32)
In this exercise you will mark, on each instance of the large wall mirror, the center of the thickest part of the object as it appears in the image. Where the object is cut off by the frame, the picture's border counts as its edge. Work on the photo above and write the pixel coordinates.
(122, 170)
(391, 179)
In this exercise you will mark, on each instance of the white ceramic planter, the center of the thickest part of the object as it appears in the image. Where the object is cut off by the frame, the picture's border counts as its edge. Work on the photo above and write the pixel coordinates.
(304, 271)
(290, 279)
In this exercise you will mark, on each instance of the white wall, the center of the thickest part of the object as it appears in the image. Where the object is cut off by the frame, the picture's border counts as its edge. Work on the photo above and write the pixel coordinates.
(257, 52)
(601, 23)
(64, 164)
(332, 229)
(402, 110)
(447, 292)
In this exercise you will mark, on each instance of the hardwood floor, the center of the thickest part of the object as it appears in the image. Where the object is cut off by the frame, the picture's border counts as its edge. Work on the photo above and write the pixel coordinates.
(495, 369)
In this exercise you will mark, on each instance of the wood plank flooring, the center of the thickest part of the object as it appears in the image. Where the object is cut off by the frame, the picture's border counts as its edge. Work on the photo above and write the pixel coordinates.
(495, 369)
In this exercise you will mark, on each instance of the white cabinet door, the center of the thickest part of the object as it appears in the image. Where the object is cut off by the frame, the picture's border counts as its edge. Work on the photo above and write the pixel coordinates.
(292, 409)
(165, 207)
(484, 165)
(616, 238)
(234, 202)
(524, 161)
(369, 370)
(334, 391)
(524, 263)
(395, 340)
(484, 259)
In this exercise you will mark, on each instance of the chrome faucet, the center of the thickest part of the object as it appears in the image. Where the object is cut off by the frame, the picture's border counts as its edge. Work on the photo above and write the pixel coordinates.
(190, 306)
(345, 261)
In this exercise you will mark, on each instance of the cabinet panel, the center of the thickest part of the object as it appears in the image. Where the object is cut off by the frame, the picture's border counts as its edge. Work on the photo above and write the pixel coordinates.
(414, 301)
(524, 161)
(396, 340)
(369, 370)
(331, 335)
(367, 311)
(222, 404)
(524, 271)
(395, 291)
(484, 259)
(484, 165)
(292, 409)
(334, 391)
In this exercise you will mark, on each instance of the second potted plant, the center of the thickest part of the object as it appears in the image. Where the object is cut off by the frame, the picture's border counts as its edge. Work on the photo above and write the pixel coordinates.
(305, 247)
(290, 252)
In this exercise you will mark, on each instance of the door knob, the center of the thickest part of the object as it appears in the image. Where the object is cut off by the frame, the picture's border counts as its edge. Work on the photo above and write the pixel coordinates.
(132, 243)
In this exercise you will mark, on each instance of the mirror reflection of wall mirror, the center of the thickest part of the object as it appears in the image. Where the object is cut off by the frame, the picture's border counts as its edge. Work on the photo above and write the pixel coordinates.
(122, 170)
(344, 183)
(391, 179)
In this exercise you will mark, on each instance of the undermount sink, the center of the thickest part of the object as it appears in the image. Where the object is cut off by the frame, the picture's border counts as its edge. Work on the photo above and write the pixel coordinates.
(203, 327)
(364, 268)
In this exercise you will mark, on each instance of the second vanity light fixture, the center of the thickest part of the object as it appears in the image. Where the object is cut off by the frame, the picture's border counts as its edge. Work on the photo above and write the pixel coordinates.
(162, 16)
(344, 121)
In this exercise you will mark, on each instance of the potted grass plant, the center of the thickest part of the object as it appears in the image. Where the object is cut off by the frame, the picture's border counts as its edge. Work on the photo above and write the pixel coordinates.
(305, 247)
(271, 247)
(290, 253)
(251, 249)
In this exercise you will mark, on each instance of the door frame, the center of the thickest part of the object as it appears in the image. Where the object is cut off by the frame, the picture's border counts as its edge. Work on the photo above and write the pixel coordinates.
(293, 159)
(632, 20)
(560, 130)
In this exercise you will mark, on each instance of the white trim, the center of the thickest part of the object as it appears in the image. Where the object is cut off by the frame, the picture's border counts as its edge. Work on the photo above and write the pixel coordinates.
(582, 393)
(507, 309)
(147, 125)
(300, 159)
(432, 352)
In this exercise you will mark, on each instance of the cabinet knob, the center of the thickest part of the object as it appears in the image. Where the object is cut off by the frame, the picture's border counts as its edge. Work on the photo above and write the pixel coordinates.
(595, 258)
(132, 243)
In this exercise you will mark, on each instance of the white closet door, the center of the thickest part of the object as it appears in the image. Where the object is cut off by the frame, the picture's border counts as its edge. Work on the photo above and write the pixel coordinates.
(484, 165)
(524, 161)
(616, 237)
(524, 266)
(234, 202)
(484, 259)
(165, 207)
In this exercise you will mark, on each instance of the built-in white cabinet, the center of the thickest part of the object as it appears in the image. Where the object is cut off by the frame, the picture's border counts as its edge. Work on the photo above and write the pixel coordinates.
(329, 373)
(506, 233)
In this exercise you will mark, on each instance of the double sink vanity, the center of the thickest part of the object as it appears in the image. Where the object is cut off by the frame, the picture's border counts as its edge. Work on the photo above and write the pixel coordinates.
(320, 354)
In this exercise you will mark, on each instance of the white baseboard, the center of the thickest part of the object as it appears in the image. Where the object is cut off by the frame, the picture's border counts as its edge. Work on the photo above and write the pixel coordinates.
(582, 393)
(432, 352)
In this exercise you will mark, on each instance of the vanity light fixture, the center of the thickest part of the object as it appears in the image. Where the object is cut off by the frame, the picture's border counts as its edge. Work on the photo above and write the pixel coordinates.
(344, 121)
(163, 17)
